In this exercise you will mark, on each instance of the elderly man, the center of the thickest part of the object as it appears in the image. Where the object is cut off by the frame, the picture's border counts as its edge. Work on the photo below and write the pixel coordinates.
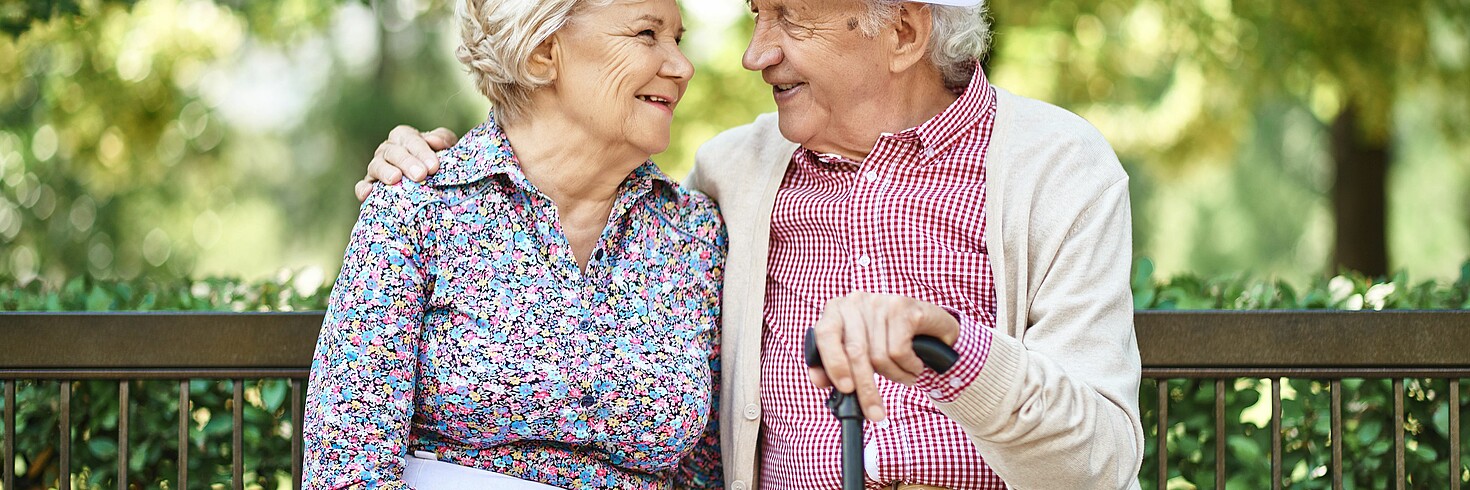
(897, 193)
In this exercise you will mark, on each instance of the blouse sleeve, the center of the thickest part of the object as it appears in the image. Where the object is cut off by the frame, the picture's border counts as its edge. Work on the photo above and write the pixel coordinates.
(360, 396)
(702, 467)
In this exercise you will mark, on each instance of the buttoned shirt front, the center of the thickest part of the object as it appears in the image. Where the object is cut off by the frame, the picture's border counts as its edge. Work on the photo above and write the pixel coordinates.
(908, 220)
(462, 325)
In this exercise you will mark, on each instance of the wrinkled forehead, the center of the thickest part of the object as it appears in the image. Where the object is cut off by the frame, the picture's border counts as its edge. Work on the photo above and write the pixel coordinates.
(952, 3)
(659, 13)
(802, 4)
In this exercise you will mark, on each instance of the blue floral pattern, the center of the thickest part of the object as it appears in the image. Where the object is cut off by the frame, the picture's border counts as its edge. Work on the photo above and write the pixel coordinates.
(461, 324)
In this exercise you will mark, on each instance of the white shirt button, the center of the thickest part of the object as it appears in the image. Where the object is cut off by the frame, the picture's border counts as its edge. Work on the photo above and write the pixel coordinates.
(881, 424)
(864, 260)
(872, 176)
(752, 412)
(955, 382)
(935, 393)
(738, 485)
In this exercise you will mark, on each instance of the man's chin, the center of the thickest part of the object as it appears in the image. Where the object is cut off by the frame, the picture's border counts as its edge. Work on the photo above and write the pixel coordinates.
(794, 128)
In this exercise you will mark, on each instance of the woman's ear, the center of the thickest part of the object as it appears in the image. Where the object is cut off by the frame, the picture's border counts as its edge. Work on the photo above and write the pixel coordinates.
(544, 58)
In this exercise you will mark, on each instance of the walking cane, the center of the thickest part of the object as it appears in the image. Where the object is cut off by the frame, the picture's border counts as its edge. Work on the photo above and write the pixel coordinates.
(935, 354)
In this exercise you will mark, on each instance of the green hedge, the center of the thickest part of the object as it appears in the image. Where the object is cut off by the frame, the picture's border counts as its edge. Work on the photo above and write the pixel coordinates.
(1306, 425)
(1368, 404)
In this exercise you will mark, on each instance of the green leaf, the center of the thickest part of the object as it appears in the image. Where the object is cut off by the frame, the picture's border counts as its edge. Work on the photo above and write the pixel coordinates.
(1143, 273)
(99, 300)
(1369, 431)
(102, 447)
(272, 394)
(1244, 448)
(1464, 281)
(1426, 452)
(218, 425)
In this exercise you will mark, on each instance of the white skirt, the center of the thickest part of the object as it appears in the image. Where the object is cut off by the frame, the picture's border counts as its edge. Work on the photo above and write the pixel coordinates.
(425, 472)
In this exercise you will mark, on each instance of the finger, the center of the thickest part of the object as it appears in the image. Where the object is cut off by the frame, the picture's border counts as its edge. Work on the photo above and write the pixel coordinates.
(362, 189)
(876, 320)
(441, 138)
(819, 377)
(901, 333)
(384, 172)
(418, 155)
(929, 319)
(828, 335)
(856, 344)
(405, 161)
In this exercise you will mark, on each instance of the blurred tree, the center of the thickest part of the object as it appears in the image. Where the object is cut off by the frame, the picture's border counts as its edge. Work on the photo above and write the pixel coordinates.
(167, 137)
(1207, 68)
(131, 133)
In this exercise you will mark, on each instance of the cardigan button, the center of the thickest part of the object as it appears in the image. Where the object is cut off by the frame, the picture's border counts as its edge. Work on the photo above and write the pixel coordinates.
(752, 412)
(738, 485)
(588, 400)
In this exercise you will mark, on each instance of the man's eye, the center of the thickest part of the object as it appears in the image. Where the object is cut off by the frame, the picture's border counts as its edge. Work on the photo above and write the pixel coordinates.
(648, 33)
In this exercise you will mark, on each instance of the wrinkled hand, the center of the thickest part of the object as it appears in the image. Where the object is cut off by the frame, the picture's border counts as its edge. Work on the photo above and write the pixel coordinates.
(865, 333)
(406, 152)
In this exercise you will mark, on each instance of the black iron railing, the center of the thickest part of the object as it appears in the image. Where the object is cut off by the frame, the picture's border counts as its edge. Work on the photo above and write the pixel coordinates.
(1218, 346)
(123, 347)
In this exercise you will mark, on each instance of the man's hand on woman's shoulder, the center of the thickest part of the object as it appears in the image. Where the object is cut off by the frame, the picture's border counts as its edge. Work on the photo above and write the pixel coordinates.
(407, 151)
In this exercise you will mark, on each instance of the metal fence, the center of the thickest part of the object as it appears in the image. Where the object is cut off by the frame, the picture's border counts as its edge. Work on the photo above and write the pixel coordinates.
(1219, 346)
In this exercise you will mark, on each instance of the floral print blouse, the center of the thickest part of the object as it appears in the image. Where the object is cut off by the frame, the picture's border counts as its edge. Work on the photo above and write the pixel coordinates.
(462, 325)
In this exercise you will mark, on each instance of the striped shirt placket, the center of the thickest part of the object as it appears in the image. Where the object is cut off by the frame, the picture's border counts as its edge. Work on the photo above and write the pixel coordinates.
(907, 220)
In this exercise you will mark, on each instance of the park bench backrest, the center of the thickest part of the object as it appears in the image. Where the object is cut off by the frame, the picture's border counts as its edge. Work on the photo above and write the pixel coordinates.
(1181, 352)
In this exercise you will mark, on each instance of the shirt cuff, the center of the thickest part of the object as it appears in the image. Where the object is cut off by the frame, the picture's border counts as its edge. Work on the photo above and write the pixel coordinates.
(973, 346)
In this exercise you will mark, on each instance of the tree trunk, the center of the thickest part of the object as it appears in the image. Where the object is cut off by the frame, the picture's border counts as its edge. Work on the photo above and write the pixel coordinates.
(1359, 195)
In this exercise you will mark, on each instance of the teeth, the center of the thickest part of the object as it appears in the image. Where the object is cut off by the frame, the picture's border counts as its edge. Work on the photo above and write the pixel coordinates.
(785, 87)
(653, 98)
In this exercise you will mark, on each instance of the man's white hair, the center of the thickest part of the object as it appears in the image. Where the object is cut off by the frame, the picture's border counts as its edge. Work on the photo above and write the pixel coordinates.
(498, 39)
(961, 36)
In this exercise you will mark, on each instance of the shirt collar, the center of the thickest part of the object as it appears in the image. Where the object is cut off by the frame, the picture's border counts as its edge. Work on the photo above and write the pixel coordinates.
(486, 151)
(935, 134)
(961, 116)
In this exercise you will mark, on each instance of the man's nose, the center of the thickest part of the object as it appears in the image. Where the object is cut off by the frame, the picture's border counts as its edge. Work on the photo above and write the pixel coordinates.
(762, 53)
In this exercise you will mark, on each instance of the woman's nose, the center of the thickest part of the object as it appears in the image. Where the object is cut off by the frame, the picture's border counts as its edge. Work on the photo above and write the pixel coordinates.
(678, 66)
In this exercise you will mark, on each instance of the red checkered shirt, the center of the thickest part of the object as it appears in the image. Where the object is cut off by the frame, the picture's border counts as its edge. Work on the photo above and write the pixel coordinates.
(907, 220)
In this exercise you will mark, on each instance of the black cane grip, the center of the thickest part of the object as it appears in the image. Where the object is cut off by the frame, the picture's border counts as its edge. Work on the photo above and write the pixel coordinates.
(934, 352)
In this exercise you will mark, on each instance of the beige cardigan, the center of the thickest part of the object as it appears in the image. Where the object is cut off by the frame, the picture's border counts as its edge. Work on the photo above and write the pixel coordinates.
(1056, 405)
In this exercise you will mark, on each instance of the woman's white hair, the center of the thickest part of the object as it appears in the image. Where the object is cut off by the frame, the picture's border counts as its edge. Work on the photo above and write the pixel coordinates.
(498, 39)
(961, 36)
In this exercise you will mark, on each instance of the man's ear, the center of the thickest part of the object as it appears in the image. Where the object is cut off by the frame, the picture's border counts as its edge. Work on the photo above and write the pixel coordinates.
(911, 32)
(544, 59)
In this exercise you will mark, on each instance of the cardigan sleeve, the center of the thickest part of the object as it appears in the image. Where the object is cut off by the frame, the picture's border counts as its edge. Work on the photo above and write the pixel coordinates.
(1058, 407)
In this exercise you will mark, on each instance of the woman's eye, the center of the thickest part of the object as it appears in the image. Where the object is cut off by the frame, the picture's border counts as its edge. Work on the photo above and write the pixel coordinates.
(648, 33)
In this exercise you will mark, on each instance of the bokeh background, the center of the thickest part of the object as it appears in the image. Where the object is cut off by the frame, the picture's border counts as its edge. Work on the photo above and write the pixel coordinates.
(194, 138)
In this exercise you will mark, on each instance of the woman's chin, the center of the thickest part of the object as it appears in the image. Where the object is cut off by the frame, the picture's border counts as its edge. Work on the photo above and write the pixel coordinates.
(656, 148)
(652, 144)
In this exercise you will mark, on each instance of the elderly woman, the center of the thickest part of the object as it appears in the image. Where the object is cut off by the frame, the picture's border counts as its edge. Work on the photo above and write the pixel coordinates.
(543, 310)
